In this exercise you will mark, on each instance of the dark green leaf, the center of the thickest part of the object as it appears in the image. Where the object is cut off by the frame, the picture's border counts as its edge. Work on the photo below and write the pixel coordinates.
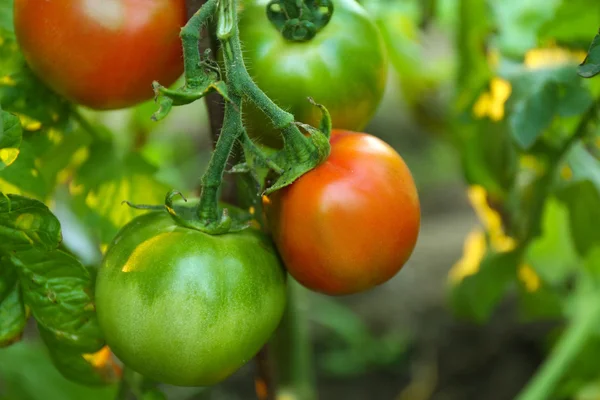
(11, 135)
(23, 176)
(477, 295)
(72, 364)
(574, 99)
(27, 373)
(8, 278)
(531, 115)
(544, 303)
(591, 65)
(26, 222)
(582, 199)
(12, 317)
(538, 96)
(57, 289)
(488, 156)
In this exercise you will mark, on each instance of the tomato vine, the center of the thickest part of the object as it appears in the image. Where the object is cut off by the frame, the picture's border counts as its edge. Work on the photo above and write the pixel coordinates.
(202, 76)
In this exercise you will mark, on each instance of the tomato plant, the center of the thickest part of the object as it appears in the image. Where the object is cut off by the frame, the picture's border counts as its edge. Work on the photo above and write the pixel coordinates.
(343, 67)
(352, 222)
(98, 54)
(185, 307)
(187, 295)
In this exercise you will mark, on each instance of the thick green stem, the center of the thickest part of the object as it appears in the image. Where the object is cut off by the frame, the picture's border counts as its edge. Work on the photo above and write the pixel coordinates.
(572, 341)
(190, 36)
(292, 348)
(208, 209)
(240, 81)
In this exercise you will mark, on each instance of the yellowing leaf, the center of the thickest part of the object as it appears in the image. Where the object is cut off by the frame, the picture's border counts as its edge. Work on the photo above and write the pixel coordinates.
(103, 360)
(529, 278)
(491, 104)
(491, 220)
(474, 249)
(552, 56)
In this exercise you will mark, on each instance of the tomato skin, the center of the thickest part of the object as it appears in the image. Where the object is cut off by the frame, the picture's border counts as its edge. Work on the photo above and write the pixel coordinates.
(184, 307)
(344, 67)
(102, 54)
(352, 222)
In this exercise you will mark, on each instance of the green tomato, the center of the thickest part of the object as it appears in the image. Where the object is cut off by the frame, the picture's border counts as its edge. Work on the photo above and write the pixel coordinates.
(184, 307)
(344, 67)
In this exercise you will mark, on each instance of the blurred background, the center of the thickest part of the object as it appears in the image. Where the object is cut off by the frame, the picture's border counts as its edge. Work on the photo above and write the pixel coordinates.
(409, 339)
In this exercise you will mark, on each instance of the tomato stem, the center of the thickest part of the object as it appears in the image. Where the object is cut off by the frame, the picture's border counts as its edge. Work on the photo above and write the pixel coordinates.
(292, 347)
(208, 210)
(190, 36)
(569, 346)
(239, 80)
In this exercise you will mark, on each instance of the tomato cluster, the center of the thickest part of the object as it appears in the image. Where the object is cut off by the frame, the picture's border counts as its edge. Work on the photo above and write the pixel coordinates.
(187, 307)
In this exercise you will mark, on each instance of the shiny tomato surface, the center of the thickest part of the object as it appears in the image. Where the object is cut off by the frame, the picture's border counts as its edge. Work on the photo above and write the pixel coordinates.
(103, 54)
(352, 222)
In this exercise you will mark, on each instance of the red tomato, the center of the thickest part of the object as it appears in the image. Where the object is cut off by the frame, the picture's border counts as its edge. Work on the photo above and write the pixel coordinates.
(103, 54)
(352, 222)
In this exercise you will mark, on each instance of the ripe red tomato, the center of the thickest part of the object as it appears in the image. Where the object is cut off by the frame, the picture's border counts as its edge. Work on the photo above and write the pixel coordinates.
(352, 222)
(102, 54)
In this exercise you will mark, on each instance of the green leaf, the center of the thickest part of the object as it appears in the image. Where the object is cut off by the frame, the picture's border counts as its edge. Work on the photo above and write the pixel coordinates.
(488, 157)
(477, 295)
(73, 365)
(104, 181)
(591, 65)
(533, 114)
(10, 56)
(583, 165)
(8, 278)
(27, 373)
(573, 23)
(582, 199)
(544, 303)
(540, 95)
(11, 135)
(553, 255)
(474, 27)
(25, 222)
(521, 22)
(12, 317)
(6, 17)
(58, 290)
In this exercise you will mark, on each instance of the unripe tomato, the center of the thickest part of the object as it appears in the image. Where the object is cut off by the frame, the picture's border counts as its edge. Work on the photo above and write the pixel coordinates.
(103, 54)
(184, 307)
(352, 222)
(344, 67)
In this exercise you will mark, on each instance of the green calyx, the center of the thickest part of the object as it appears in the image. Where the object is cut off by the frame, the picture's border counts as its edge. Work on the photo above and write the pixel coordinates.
(185, 213)
(299, 20)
